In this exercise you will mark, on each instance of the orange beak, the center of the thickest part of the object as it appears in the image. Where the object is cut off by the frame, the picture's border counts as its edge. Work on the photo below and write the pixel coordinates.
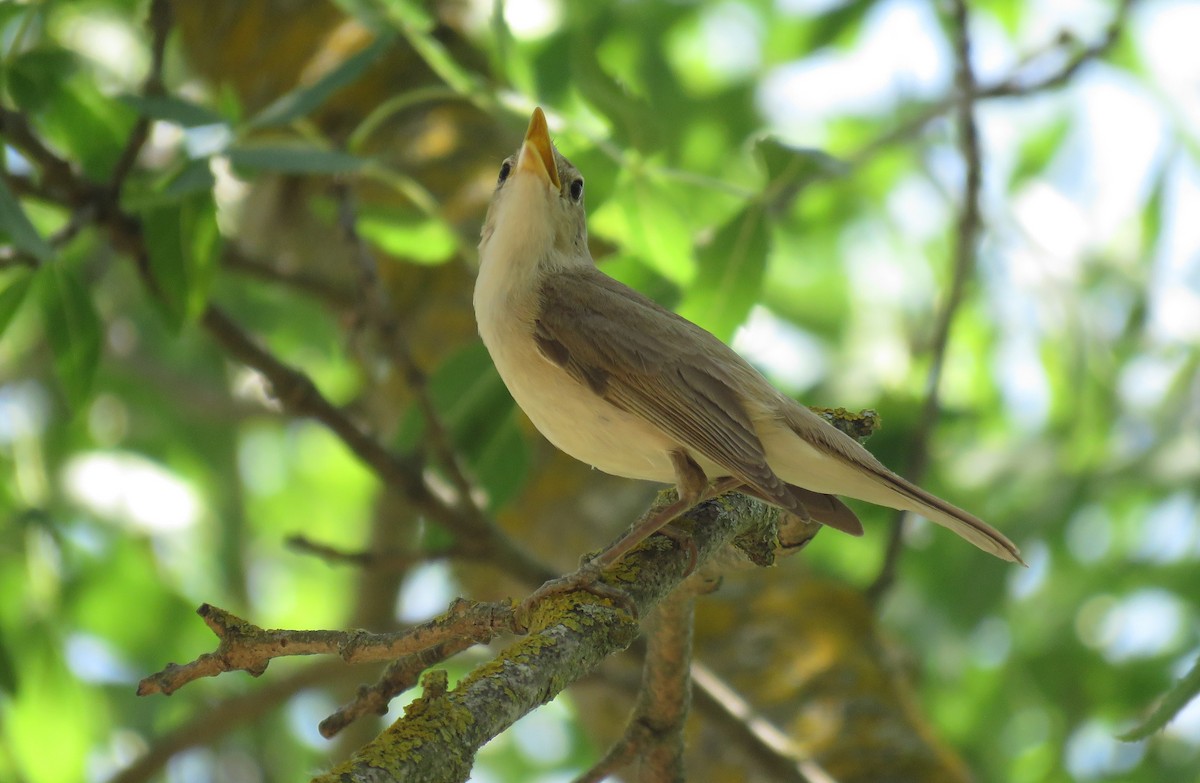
(537, 154)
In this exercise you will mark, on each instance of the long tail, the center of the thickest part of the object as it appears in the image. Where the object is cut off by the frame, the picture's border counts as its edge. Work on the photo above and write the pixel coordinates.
(967, 525)
(860, 475)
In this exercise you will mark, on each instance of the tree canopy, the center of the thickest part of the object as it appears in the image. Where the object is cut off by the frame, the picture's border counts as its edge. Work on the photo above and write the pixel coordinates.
(239, 372)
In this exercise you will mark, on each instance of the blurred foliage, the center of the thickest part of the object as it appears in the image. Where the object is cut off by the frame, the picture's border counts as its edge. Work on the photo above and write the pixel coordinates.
(742, 166)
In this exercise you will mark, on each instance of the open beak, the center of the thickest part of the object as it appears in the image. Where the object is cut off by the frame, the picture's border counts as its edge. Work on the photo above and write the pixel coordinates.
(537, 154)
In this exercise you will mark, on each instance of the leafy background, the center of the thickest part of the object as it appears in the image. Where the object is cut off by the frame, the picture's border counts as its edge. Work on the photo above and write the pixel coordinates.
(788, 174)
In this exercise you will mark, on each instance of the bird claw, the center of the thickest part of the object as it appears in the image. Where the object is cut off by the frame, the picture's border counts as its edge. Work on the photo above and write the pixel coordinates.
(685, 541)
(586, 579)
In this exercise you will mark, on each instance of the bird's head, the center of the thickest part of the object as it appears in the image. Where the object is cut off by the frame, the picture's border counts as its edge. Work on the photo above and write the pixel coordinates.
(536, 215)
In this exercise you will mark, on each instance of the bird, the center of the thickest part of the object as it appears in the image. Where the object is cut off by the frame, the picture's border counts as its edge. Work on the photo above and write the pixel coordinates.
(633, 389)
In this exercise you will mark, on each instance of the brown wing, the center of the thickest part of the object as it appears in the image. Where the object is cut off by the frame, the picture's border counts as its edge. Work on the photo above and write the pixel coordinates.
(650, 362)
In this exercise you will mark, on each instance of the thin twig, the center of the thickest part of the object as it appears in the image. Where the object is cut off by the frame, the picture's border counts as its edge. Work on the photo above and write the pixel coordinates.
(400, 675)
(245, 647)
(965, 248)
(221, 717)
(160, 28)
(300, 397)
(381, 314)
(324, 288)
(1012, 86)
(380, 561)
(58, 179)
(769, 748)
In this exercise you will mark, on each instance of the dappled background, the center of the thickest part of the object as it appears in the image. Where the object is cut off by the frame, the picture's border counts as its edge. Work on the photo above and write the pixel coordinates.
(145, 470)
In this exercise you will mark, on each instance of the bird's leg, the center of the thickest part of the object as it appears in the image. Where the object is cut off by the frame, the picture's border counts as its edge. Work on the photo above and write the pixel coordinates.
(693, 488)
(691, 484)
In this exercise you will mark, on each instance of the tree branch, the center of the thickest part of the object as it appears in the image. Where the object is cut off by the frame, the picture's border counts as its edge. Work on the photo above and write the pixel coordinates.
(384, 561)
(246, 647)
(160, 28)
(381, 314)
(965, 247)
(769, 748)
(1013, 86)
(441, 732)
(300, 397)
(218, 719)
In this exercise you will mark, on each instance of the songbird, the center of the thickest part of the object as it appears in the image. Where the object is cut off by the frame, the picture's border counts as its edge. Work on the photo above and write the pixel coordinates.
(618, 382)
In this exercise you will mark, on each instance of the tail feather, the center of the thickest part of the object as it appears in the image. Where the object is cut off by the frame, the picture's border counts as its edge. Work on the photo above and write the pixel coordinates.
(860, 475)
(967, 525)
(828, 510)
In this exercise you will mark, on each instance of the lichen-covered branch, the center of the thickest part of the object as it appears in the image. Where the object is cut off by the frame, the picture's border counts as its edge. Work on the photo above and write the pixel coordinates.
(570, 635)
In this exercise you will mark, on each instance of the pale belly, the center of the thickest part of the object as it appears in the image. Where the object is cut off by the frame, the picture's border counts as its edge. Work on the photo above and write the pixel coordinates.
(579, 422)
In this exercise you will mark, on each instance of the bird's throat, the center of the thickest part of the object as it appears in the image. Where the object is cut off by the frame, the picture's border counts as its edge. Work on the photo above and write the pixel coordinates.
(511, 255)
(522, 235)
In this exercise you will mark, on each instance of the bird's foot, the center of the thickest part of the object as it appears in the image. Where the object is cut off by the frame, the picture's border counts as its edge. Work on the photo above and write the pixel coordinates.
(586, 579)
(684, 540)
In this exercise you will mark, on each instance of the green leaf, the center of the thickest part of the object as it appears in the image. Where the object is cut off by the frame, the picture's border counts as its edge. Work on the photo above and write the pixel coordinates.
(36, 75)
(405, 235)
(12, 297)
(479, 417)
(1038, 149)
(417, 26)
(194, 177)
(838, 23)
(730, 273)
(302, 101)
(1153, 207)
(789, 169)
(502, 463)
(294, 160)
(15, 223)
(175, 110)
(92, 126)
(10, 11)
(72, 329)
(647, 223)
(9, 680)
(182, 242)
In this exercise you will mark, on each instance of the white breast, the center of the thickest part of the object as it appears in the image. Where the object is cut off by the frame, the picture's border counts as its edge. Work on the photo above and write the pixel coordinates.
(569, 414)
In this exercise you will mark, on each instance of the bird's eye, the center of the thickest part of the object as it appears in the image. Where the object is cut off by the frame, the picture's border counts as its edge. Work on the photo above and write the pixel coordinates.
(505, 170)
(577, 189)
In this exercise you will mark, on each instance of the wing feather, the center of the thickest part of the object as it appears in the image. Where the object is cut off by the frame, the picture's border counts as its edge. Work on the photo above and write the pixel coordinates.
(648, 361)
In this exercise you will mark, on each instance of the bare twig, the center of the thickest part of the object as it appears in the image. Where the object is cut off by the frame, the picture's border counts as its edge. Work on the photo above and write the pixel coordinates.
(219, 718)
(1013, 86)
(246, 647)
(11, 258)
(160, 27)
(966, 241)
(381, 314)
(770, 749)
(321, 287)
(58, 179)
(398, 677)
(389, 561)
